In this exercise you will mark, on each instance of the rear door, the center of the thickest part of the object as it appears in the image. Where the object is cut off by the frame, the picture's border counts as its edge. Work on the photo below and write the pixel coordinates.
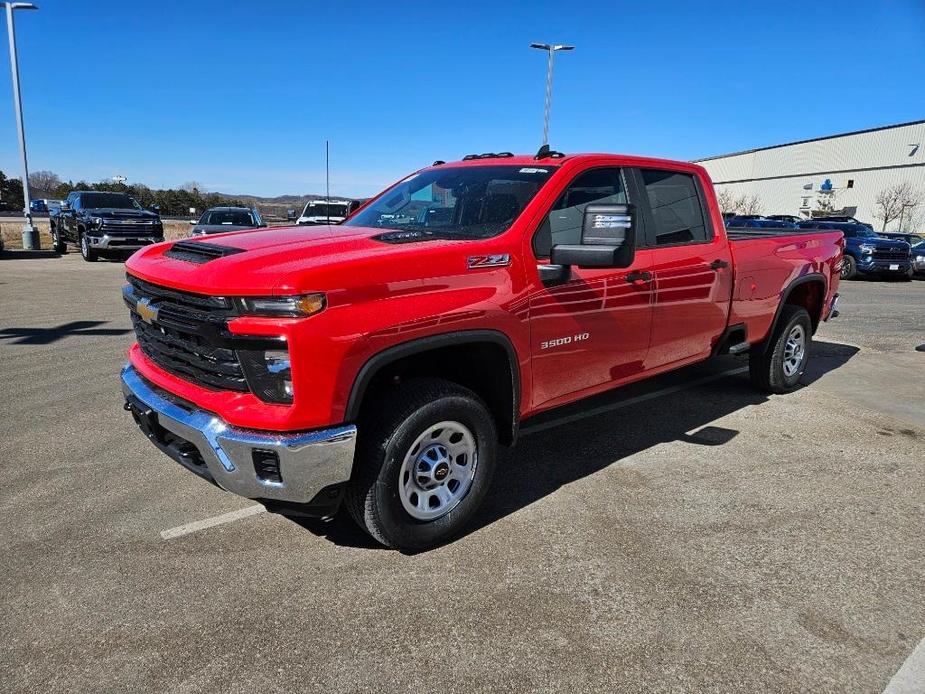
(692, 265)
(592, 329)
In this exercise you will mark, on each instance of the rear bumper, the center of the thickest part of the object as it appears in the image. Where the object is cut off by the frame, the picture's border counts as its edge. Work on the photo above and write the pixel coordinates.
(121, 243)
(298, 468)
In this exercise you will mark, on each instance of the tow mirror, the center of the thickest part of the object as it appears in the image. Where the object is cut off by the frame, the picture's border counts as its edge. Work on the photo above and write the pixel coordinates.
(608, 239)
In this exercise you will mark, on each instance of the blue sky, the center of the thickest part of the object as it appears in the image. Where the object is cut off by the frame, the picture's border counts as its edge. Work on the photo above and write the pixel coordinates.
(241, 96)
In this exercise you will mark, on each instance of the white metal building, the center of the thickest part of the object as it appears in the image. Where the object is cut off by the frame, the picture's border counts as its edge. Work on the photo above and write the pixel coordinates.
(792, 178)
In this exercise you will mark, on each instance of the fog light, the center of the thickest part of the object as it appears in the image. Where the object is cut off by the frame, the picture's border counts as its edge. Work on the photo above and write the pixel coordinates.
(269, 374)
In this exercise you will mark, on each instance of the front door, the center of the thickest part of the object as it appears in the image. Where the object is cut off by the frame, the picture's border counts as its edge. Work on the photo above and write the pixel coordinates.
(592, 329)
(692, 267)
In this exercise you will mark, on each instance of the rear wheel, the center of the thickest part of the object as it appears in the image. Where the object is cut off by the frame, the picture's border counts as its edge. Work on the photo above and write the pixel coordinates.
(424, 463)
(89, 254)
(779, 367)
(849, 268)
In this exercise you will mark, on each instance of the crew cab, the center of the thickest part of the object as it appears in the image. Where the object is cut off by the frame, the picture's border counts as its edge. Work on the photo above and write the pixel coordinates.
(101, 222)
(866, 253)
(380, 364)
(326, 211)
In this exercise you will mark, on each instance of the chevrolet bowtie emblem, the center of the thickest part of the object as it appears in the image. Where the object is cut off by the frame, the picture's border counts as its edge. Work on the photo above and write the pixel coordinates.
(146, 311)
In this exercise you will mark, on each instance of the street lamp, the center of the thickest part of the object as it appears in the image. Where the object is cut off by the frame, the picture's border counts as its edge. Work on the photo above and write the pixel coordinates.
(30, 235)
(551, 49)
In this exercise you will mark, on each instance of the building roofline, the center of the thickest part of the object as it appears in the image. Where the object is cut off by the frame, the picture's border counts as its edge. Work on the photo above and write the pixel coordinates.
(812, 139)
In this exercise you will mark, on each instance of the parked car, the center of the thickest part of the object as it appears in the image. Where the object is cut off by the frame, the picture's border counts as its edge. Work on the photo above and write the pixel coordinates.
(911, 239)
(757, 223)
(100, 222)
(918, 259)
(866, 253)
(37, 206)
(326, 212)
(383, 366)
(220, 219)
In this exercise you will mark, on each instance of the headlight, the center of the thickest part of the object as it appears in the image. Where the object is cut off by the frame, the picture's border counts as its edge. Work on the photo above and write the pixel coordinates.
(920, 258)
(299, 305)
(97, 222)
(867, 248)
(268, 373)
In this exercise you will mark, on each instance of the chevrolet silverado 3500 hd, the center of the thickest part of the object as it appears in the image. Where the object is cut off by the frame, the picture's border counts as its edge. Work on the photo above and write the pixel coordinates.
(380, 362)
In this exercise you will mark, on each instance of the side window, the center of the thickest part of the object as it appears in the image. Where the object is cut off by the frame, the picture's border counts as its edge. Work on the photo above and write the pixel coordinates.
(563, 223)
(675, 205)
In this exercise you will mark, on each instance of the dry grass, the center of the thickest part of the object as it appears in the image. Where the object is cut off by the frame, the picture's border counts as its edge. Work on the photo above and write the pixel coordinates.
(12, 231)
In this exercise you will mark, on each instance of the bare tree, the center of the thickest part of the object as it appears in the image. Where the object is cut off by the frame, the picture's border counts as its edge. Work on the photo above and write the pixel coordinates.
(44, 181)
(750, 205)
(898, 201)
(194, 187)
(726, 201)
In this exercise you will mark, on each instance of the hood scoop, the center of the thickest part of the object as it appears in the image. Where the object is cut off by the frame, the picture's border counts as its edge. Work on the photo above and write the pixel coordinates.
(403, 236)
(199, 252)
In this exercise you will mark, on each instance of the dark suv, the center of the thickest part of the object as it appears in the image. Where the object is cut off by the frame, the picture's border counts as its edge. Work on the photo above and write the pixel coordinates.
(866, 253)
(101, 222)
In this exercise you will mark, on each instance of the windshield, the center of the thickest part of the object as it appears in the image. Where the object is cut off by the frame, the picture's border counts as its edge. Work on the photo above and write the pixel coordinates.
(323, 210)
(117, 201)
(465, 202)
(239, 218)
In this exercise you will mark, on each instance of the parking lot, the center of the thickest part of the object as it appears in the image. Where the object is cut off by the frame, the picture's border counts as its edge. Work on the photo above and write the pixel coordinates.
(686, 534)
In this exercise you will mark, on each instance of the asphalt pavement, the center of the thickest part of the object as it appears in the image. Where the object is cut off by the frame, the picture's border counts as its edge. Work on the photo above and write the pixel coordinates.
(684, 535)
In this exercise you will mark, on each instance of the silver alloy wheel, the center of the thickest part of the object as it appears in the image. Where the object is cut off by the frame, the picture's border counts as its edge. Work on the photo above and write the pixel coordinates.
(84, 245)
(794, 350)
(844, 270)
(438, 470)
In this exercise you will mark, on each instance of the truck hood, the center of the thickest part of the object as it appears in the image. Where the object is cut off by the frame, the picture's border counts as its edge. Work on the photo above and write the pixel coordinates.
(292, 260)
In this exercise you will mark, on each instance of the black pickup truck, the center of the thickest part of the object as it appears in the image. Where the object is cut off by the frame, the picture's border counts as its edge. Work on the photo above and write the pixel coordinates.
(99, 222)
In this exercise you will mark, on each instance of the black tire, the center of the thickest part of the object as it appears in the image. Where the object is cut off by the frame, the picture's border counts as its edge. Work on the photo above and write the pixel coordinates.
(88, 254)
(767, 366)
(849, 268)
(389, 430)
(59, 246)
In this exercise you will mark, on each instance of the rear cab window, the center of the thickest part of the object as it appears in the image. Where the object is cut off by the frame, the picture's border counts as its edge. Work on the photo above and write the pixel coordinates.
(676, 208)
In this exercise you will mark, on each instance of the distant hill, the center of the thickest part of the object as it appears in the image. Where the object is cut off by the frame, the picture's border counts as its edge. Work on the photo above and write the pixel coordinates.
(278, 206)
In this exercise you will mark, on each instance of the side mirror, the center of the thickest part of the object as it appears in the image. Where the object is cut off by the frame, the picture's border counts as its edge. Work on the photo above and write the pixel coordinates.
(608, 239)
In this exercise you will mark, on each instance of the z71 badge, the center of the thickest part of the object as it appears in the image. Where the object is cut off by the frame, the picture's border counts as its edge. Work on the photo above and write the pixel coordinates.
(497, 260)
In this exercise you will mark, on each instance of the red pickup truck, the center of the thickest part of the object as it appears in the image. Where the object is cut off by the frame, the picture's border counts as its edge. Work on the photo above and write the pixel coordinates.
(381, 362)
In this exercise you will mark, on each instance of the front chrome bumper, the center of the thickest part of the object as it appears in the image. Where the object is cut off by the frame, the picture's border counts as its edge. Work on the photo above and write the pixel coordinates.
(107, 242)
(204, 444)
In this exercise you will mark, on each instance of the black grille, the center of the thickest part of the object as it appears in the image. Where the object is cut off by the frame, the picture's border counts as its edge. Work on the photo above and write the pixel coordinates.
(889, 254)
(199, 251)
(188, 336)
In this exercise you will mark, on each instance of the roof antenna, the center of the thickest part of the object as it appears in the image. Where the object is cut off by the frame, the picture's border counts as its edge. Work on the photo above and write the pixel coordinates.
(543, 152)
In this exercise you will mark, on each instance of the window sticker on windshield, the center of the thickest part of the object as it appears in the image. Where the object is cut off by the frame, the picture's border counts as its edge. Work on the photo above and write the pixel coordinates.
(528, 169)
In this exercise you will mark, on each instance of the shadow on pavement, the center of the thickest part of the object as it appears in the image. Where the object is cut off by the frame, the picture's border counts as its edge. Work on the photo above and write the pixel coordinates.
(16, 254)
(45, 336)
(638, 419)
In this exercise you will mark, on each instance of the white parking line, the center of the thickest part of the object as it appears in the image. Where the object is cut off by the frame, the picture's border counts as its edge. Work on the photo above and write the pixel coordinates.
(195, 526)
(910, 678)
(631, 401)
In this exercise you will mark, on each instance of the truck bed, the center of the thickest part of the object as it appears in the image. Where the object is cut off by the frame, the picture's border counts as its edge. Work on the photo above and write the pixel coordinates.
(769, 260)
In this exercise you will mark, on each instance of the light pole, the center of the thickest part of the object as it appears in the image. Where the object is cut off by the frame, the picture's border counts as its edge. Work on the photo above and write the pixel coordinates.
(551, 49)
(30, 235)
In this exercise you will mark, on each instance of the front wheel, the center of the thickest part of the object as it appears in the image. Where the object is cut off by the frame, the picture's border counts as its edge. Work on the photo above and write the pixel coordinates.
(849, 268)
(59, 246)
(89, 254)
(424, 463)
(779, 367)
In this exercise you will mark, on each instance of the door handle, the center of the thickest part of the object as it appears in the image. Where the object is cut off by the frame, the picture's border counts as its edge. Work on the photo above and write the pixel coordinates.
(638, 275)
(717, 264)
